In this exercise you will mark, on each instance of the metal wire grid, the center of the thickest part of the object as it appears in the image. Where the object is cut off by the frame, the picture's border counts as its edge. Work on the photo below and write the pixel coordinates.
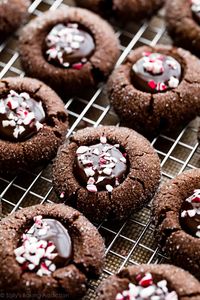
(129, 242)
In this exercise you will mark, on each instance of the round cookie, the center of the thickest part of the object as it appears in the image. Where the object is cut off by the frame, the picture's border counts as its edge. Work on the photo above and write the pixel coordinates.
(156, 89)
(48, 250)
(183, 23)
(70, 49)
(150, 282)
(12, 14)
(176, 215)
(126, 10)
(33, 123)
(106, 172)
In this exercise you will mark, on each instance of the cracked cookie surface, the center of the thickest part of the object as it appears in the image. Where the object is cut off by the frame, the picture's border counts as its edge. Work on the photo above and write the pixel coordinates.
(33, 123)
(181, 284)
(103, 194)
(69, 280)
(164, 108)
(69, 49)
(173, 221)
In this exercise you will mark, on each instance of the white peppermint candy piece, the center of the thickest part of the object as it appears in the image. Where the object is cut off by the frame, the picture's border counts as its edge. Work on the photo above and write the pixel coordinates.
(173, 82)
(20, 259)
(198, 233)
(123, 159)
(103, 139)
(31, 267)
(191, 212)
(109, 188)
(92, 188)
(96, 151)
(147, 292)
(82, 149)
(19, 251)
(107, 171)
(89, 172)
(30, 117)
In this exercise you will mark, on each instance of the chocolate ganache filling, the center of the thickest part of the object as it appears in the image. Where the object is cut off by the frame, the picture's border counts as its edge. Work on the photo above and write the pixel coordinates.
(156, 72)
(195, 8)
(20, 116)
(190, 214)
(146, 287)
(69, 46)
(100, 167)
(45, 247)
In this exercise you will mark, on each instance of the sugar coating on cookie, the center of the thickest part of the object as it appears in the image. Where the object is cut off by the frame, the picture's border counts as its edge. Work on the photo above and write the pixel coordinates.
(176, 211)
(156, 89)
(50, 249)
(156, 72)
(70, 49)
(106, 172)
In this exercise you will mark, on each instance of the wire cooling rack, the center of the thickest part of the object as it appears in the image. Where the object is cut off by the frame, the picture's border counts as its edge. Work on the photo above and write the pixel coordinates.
(129, 242)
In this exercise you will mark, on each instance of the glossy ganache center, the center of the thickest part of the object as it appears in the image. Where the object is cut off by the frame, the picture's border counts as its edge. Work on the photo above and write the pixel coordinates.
(190, 214)
(195, 8)
(146, 287)
(20, 116)
(69, 46)
(100, 167)
(44, 247)
(156, 72)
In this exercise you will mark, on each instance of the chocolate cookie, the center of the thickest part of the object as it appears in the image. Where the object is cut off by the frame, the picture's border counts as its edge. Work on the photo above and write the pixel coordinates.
(149, 282)
(183, 23)
(48, 252)
(106, 172)
(126, 10)
(33, 123)
(70, 49)
(176, 211)
(156, 89)
(12, 14)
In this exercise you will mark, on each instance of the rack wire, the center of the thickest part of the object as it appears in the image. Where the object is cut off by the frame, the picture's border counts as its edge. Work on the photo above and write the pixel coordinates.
(127, 243)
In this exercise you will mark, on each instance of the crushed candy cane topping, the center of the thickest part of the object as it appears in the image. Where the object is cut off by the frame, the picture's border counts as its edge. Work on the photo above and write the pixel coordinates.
(69, 46)
(38, 253)
(156, 72)
(190, 214)
(147, 288)
(100, 167)
(20, 116)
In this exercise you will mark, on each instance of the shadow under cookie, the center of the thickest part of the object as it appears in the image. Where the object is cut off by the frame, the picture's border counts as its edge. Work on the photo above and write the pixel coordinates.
(106, 172)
